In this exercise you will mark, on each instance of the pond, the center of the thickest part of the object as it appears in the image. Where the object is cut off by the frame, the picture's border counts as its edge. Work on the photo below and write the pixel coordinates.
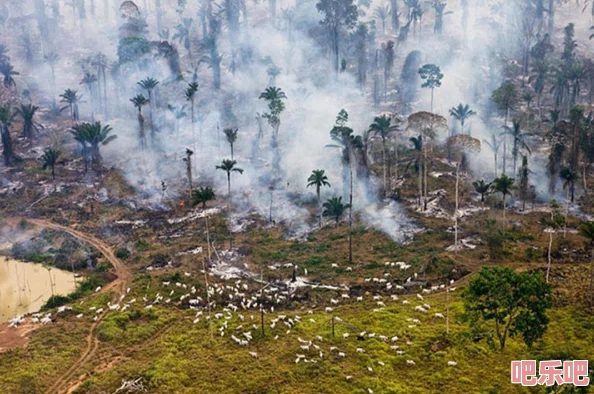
(25, 287)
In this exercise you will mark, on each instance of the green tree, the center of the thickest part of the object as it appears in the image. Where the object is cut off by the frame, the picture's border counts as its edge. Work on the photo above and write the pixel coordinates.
(71, 99)
(505, 186)
(334, 208)
(229, 166)
(50, 159)
(461, 113)
(516, 303)
(27, 113)
(494, 145)
(518, 140)
(431, 74)
(586, 230)
(92, 136)
(274, 96)
(231, 135)
(6, 118)
(203, 195)
(318, 179)
(7, 71)
(149, 84)
(569, 178)
(382, 126)
(140, 101)
(483, 188)
(338, 15)
(505, 98)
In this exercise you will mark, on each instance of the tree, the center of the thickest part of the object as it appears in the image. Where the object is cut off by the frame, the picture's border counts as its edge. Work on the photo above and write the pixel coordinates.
(483, 188)
(494, 144)
(381, 13)
(71, 99)
(382, 126)
(179, 113)
(334, 208)
(318, 179)
(203, 195)
(569, 178)
(190, 96)
(6, 118)
(524, 186)
(388, 51)
(505, 186)
(188, 161)
(7, 70)
(439, 8)
(274, 96)
(231, 135)
(92, 136)
(586, 230)
(89, 80)
(183, 34)
(229, 166)
(551, 226)
(518, 140)
(515, 302)
(461, 113)
(394, 15)
(506, 98)
(539, 77)
(149, 84)
(432, 76)
(52, 59)
(338, 15)
(140, 101)
(50, 159)
(418, 163)
(27, 113)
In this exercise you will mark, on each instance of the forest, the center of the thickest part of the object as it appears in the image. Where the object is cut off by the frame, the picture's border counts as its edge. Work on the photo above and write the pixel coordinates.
(294, 196)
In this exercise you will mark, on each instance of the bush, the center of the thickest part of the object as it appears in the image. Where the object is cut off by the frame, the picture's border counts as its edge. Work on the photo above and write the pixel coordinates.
(56, 301)
(122, 253)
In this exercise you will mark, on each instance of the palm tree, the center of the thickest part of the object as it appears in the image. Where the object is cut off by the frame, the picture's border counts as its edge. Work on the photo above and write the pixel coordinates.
(89, 81)
(92, 136)
(50, 159)
(203, 195)
(190, 96)
(518, 140)
(552, 225)
(229, 166)
(494, 144)
(178, 113)
(503, 185)
(318, 179)
(231, 135)
(183, 34)
(418, 163)
(382, 127)
(274, 96)
(6, 117)
(586, 230)
(149, 84)
(461, 113)
(569, 177)
(334, 208)
(27, 113)
(52, 59)
(539, 78)
(7, 70)
(71, 99)
(382, 13)
(139, 101)
(482, 188)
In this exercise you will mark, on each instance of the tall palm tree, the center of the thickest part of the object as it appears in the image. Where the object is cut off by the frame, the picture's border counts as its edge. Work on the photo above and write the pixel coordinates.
(231, 135)
(149, 84)
(482, 188)
(203, 195)
(382, 126)
(494, 145)
(461, 113)
(89, 80)
(140, 101)
(569, 178)
(318, 179)
(6, 117)
(334, 208)
(27, 113)
(191, 97)
(50, 159)
(382, 13)
(179, 113)
(586, 230)
(52, 59)
(71, 99)
(505, 186)
(229, 166)
(101, 64)
(518, 140)
(92, 136)
(7, 70)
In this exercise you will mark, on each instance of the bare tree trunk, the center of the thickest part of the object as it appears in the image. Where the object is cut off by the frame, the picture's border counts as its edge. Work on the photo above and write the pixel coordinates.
(456, 211)
(549, 254)
(351, 215)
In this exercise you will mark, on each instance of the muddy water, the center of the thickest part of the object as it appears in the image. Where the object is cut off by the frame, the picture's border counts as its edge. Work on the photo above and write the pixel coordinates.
(25, 287)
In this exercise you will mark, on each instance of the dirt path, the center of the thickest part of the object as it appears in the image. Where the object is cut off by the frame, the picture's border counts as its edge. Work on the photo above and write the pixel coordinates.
(119, 285)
